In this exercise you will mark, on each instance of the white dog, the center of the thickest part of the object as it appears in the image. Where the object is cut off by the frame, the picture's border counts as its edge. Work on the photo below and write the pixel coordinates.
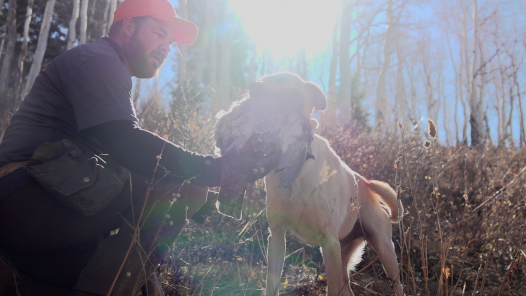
(331, 206)
(323, 201)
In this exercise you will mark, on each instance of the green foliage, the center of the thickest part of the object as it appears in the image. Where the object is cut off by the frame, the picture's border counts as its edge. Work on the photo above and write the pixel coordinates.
(359, 115)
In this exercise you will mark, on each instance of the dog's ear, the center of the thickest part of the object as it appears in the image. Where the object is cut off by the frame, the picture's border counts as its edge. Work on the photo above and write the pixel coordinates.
(318, 97)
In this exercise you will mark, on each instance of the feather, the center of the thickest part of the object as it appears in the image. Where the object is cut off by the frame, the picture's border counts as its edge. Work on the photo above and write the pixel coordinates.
(271, 118)
(295, 138)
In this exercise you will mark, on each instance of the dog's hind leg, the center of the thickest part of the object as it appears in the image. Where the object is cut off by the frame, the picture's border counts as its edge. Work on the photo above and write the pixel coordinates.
(331, 251)
(276, 258)
(351, 255)
(381, 242)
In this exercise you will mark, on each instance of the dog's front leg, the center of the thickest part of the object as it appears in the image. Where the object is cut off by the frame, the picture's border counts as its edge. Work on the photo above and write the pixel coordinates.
(331, 252)
(276, 257)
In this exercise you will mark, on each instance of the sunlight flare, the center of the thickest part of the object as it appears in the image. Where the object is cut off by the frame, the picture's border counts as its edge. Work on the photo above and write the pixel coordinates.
(284, 27)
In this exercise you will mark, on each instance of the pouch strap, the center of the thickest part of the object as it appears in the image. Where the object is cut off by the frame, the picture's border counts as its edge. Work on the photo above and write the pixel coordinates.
(10, 167)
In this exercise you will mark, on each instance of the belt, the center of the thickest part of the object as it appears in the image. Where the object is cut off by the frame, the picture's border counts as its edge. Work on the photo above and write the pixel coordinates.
(12, 166)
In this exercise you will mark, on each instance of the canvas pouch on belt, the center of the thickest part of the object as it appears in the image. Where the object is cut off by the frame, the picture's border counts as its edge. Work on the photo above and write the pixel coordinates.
(85, 182)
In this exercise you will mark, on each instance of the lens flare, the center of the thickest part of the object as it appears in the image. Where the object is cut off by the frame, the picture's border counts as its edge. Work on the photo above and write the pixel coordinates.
(284, 27)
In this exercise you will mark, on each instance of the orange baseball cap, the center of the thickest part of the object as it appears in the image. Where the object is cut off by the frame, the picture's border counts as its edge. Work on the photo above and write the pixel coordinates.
(186, 31)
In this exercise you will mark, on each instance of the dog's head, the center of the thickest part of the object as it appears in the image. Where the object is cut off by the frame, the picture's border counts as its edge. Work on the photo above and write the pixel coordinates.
(286, 84)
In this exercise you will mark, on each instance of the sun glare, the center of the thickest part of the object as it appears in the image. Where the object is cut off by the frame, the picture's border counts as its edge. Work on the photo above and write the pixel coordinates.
(284, 27)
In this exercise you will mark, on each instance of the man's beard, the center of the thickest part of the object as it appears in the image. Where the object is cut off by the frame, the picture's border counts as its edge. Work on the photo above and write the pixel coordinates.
(140, 62)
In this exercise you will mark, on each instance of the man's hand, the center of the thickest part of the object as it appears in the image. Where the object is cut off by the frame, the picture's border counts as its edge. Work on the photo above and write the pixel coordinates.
(237, 171)
(242, 169)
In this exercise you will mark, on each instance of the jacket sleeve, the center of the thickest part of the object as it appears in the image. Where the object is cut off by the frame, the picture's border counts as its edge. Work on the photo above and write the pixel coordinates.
(138, 150)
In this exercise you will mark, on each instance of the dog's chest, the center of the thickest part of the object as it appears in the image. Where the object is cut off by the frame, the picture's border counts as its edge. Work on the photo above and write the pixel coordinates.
(312, 211)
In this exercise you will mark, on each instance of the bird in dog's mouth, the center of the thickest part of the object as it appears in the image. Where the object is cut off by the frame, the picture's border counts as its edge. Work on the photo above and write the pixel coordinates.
(270, 126)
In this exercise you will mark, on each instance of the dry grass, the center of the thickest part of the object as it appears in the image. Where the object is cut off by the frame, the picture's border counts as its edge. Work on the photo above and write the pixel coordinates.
(447, 243)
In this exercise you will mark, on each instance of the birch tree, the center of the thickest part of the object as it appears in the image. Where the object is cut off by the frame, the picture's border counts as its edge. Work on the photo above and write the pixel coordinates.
(41, 46)
(182, 79)
(2, 36)
(113, 6)
(105, 21)
(212, 73)
(476, 118)
(83, 20)
(90, 18)
(381, 91)
(72, 32)
(10, 51)
(334, 64)
(223, 77)
(204, 43)
(515, 66)
(344, 96)
(23, 53)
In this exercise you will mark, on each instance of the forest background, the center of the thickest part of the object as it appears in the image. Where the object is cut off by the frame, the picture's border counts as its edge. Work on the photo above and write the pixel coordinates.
(387, 67)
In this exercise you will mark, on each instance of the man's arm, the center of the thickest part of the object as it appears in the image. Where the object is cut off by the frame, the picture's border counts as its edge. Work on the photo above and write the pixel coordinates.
(137, 150)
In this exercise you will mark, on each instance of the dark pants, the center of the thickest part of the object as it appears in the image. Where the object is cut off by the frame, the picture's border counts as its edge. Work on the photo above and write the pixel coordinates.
(52, 244)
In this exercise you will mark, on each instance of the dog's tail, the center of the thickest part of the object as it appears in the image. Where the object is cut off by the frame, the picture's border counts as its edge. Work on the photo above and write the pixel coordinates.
(387, 195)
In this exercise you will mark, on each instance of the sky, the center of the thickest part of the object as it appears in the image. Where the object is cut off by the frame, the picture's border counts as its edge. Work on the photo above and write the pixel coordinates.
(282, 28)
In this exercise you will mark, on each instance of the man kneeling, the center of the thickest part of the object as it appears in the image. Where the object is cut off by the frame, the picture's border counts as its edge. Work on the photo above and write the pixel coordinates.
(60, 194)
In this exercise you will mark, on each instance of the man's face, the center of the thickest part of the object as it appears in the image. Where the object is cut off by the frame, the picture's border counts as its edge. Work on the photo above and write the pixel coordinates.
(148, 47)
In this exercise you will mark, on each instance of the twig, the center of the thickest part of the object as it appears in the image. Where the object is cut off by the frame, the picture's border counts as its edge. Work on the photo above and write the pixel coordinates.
(459, 277)
(501, 190)
(364, 268)
(512, 266)
(370, 291)
(298, 250)
(135, 231)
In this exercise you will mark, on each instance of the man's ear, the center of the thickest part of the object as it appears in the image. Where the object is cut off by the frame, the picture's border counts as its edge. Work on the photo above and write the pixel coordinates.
(318, 97)
(128, 27)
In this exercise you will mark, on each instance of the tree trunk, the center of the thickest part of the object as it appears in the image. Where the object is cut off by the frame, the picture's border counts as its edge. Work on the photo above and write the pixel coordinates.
(23, 54)
(90, 19)
(113, 6)
(212, 74)
(136, 92)
(182, 77)
(521, 113)
(302, 65)
(476, 118)
(83, 20)
(105, 23)
(252, 68)
(401, 94)
(509, 124)
(522, 137)
(264, 63)
(428, 84)
(41, 46)
(334, 64)
(204, 44)
(72, 31)
(500, 97)
(458, 88)
(2, 43)
(223, 77)
(381, 90)
(10, 51)
(344, 96)
(270, 63)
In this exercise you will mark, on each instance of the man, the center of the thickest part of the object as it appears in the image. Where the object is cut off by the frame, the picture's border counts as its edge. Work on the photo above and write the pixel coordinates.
(83, 96)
